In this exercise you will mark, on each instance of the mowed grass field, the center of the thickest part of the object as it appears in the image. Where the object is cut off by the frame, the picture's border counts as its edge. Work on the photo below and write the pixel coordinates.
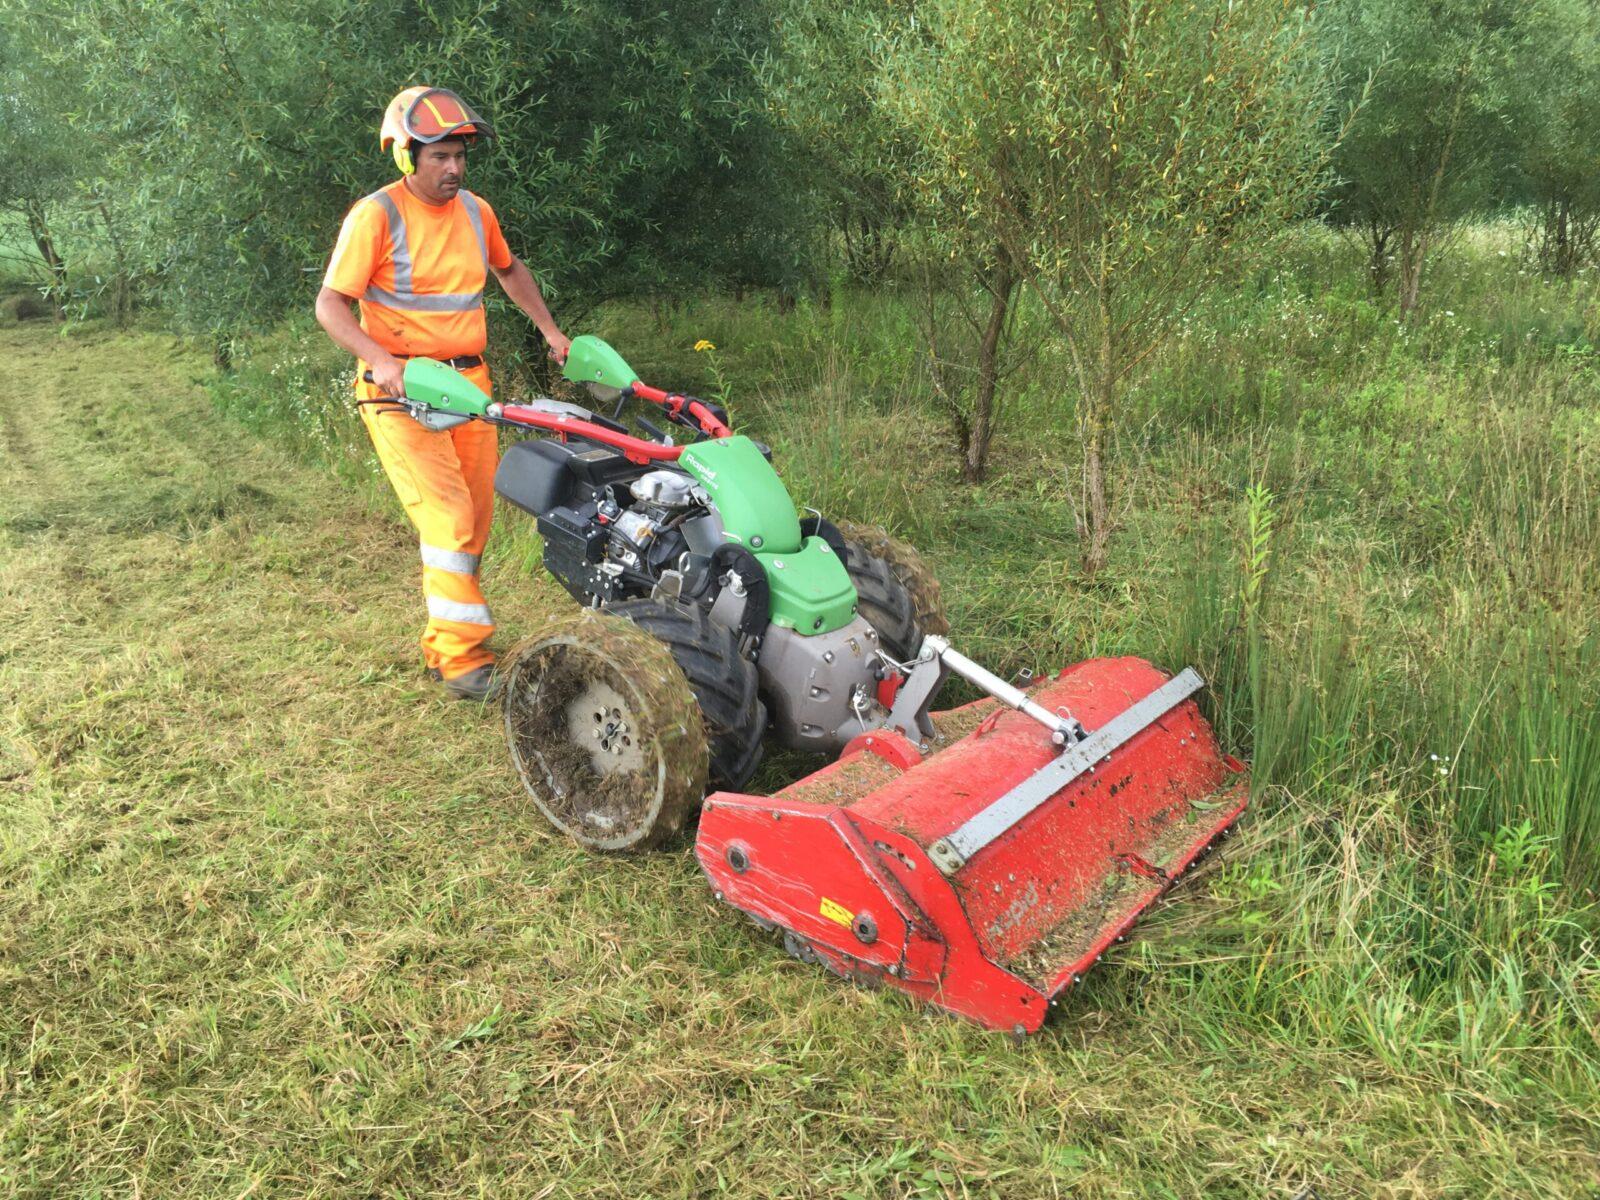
(275, 919)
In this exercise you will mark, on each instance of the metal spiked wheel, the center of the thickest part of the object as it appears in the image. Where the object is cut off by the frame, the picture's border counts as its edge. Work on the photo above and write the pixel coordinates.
(604, 732)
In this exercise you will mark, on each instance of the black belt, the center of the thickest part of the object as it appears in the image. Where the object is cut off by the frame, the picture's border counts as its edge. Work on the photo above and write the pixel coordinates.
(464, 362)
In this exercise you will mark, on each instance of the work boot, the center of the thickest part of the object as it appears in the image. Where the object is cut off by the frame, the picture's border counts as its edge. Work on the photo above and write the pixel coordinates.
(481, 684)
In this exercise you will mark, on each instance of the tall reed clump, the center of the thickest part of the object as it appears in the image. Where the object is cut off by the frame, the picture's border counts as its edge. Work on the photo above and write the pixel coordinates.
(1426, 757)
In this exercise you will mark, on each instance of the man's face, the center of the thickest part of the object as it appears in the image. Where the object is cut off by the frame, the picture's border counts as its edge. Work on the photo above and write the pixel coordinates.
(441, 167)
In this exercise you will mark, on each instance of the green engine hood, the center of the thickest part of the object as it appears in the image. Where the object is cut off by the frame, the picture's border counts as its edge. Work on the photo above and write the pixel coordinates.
(754, 505)
(811, 590)
(445, 388)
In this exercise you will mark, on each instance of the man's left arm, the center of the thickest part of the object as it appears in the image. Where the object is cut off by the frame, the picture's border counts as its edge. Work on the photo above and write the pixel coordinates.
(523, 289)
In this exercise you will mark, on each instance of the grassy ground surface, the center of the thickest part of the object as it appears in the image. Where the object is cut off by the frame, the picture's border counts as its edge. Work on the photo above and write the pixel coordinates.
(275, 920)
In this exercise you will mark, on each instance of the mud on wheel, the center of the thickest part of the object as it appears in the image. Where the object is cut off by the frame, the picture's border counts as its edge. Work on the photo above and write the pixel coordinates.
(604, 732)
(896, 590)
(724, 682)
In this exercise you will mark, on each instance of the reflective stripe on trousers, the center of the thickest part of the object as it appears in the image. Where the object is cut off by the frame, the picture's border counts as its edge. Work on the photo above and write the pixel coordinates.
(458, 561)
(464, 614)
(456, 598)
(404, 296)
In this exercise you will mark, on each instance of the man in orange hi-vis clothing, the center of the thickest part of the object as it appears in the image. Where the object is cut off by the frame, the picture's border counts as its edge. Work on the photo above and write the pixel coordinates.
(415, 256)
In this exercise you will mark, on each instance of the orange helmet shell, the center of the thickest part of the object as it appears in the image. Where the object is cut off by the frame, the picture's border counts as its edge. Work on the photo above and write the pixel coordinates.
(426, 115)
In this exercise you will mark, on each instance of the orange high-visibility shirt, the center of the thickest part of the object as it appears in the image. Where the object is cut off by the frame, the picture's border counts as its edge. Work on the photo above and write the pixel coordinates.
(419, 269)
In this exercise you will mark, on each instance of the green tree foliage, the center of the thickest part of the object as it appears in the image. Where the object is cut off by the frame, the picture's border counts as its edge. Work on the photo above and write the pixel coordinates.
(44, 169)
(1433, 143)
(634, 153)
(821, 86)
(1121, 156)
(1558, 133)
(825, 82)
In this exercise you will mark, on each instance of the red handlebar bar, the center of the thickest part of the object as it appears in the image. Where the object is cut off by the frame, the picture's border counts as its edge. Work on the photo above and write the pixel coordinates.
(708, 421)
(634, 449)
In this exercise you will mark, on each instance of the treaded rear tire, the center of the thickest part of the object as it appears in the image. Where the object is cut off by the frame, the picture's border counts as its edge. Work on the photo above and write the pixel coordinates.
(896, 590)
(724, 682)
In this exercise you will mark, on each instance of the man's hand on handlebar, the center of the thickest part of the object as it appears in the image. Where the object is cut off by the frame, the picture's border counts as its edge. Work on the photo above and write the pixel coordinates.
(560, 343)
(389, 377)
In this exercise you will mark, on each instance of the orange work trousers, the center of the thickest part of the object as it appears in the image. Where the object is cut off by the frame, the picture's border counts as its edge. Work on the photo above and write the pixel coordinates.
(445, 480)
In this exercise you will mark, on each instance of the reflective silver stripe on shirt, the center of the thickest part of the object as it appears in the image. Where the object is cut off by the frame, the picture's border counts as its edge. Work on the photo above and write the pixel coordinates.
(457, 562)
(428, 302)
(475, 215)
(405, 295)
(454, 610)
(399, 248)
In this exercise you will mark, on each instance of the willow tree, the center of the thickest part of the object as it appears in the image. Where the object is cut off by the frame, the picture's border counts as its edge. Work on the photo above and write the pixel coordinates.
(1125, 154)
(633, 157)
(822, 83)
(1557, 137)
(1433, 145)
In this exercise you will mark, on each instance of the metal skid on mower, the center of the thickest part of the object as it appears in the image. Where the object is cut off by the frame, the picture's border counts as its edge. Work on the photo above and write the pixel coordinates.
(988, 859)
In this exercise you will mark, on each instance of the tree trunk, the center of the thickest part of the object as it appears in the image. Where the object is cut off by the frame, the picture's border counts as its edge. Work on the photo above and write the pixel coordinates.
(39, 228)
(1099, 399)
(1560, 245)
(868, 247)
(1002, 286)
(121, 300)
(1378, 263)
(1413, 257)
(1094, 486)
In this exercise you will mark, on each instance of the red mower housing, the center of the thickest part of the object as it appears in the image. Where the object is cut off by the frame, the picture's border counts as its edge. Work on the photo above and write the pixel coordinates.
(987, 870)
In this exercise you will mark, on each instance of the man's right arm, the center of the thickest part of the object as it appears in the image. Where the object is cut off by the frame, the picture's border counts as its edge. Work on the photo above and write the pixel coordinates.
(334, 315)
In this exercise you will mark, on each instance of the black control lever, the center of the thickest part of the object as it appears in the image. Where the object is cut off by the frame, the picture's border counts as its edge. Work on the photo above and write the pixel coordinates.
(622, 399)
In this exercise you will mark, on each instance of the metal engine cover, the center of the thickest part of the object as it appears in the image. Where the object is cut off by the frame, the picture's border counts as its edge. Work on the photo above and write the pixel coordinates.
(670, 489)
(809, 684)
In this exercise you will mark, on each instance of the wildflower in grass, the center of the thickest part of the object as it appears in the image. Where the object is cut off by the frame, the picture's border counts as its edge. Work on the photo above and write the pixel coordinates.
(720, 395)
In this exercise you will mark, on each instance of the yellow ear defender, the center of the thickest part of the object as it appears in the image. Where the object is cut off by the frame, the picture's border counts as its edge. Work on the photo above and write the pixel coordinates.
(403, 159)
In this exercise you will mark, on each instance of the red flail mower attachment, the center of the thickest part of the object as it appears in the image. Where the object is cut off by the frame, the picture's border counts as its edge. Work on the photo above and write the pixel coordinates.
(987, 867)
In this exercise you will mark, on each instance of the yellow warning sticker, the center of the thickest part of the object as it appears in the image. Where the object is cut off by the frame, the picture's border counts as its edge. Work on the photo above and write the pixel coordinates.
(835, 911)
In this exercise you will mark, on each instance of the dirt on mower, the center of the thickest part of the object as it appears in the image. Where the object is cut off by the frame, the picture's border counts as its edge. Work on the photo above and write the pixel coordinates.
(1113, 897)
(556, 666)
(927, 600)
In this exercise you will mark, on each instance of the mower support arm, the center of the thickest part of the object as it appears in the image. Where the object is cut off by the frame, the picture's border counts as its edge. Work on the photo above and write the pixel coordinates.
(953, 851)
(1063, 726)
